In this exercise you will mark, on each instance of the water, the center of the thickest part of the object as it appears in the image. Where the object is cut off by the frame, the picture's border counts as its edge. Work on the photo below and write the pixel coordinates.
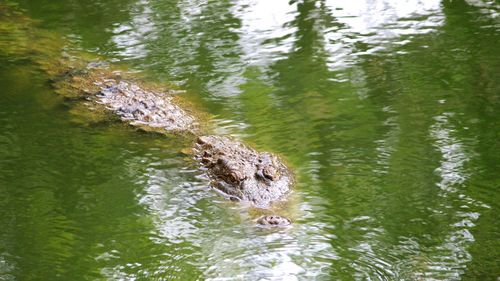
(387, 112)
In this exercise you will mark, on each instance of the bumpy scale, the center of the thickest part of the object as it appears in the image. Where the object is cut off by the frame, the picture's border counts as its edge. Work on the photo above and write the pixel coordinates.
(241, 172)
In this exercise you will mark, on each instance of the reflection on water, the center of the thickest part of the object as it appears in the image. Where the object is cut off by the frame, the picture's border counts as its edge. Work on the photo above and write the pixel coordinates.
(347, 29)
(387, 111)
(219, 238)
(451, 170)
(453, 254)
(129, 37)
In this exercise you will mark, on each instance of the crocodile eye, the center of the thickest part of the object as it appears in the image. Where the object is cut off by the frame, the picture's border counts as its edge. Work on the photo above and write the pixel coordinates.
(234, 177)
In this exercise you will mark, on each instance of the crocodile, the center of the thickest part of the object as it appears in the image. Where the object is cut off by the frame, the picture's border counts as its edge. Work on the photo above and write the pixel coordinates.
(238, 171)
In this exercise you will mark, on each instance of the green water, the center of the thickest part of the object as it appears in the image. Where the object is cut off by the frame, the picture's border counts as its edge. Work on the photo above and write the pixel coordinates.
(387, 112)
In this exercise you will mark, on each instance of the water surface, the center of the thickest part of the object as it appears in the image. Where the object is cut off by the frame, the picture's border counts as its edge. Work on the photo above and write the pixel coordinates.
(387, 111)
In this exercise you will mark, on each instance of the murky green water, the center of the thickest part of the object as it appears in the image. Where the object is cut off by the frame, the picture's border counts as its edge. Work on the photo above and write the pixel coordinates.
(388, 112)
